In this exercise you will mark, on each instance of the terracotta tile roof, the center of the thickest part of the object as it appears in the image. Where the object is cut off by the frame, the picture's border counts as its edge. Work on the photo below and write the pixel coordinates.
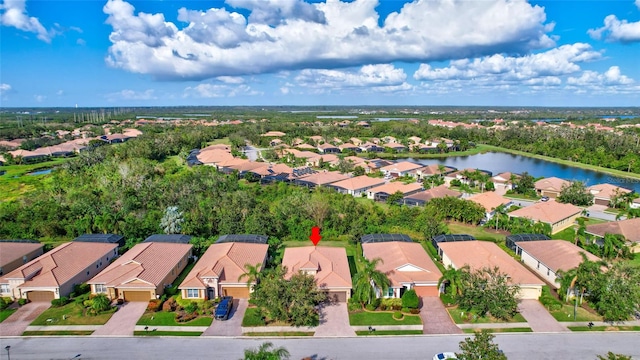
(326, 146)
(395, 186)
(403, 262)
(504, 177)
(556, 254)
(433, 169)
(225, 261)
(301, 154)
(479, 254)
(306, 146)
(146, 263)
(12, 251)
(331, 262)
(629, 228)
(61, 264)
(347, 146)
(552, 183)
(550, 212)
(436, 192)
(402, 166)
(606, 191)
(248, 165)
(394, 145)
(358, 182)
(212, 156)
(274, 134)
(489, 200)
(322, 178)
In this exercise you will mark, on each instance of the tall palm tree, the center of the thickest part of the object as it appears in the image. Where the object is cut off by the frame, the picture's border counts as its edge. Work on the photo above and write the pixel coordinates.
(252, 274)
(266, 351)
(368, 280)
(453, 277)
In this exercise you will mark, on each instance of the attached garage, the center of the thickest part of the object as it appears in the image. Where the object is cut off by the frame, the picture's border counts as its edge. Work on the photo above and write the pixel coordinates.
(599, 201)
(338, 296)
(236, 292)
(426, 291)
(137, 296)
(530, 292)
(40, 296)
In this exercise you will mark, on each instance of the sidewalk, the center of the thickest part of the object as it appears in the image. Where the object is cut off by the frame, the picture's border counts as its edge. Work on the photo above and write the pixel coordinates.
(495, 325)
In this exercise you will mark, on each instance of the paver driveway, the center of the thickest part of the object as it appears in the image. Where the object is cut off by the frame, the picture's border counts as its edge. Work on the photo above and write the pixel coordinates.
(17, 323)
(435, 318)
(334, 321)
(232, 326)
(539, 318)
(123, 322)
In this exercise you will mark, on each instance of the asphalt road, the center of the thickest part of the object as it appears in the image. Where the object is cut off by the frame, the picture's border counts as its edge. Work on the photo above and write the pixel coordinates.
(539, 346)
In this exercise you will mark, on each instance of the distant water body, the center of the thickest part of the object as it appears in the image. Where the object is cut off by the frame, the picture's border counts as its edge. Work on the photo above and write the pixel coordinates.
(497, 162)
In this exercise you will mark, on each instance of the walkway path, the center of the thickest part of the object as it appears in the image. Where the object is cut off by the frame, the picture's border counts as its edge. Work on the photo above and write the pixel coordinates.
(539, 318)
(123, 322)
(435, 318)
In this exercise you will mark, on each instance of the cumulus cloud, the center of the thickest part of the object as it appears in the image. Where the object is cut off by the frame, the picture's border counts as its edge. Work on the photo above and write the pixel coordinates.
(14, 13)
(218, 90)
(4, 88)
(617, 30)
(280, 35)
(39, 98)
(535, 68)
(613, 76)
(368, 75)
(128, 94)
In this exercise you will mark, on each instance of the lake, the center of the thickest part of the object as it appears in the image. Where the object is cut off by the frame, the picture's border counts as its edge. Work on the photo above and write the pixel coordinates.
(497, 162)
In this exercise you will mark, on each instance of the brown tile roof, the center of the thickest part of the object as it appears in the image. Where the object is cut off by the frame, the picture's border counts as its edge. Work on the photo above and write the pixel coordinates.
(552, 183)
(144, 265)
(395, 186)
(61, 264)
(212, 156)
(322, 178)
(606, 191)
(358, 182)
(403, 262)
(274, 134)
(556, 254)
(433, 169)
(629, 228)
(326, 146)
(489, 200)
(394, 145)
(401, 166)
(436, 192)
(479, 254)
(247, 165)
(12, 251)
(225, 261)
(331, 264)
(305, 146)
(549, 212)
(347, 146)
(504, 177)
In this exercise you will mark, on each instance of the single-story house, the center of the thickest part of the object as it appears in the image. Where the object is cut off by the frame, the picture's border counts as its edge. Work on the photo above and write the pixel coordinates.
(629, 228)
(318, 160)
(53, 274)
(212, 157)
(355, 141)
(489, 200)
(273, 134)
(320, 178)
(560, 216)
(401, 168)
(604, 193)
(327, 148)
(480, 254)
(503, 181)
(547, 257)
(425, 172)
(370, 147)
(461, 175)
(328, 265)
(349, 147)
(218, 271)
(381, 193)
(305, 147)
(550, 187)
(407, 265)
(14, 254)
(356, 186)
(423, 197)
(143, 272)
(397, 147)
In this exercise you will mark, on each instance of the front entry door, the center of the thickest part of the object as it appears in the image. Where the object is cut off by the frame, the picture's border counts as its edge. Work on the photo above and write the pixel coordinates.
(211, 294)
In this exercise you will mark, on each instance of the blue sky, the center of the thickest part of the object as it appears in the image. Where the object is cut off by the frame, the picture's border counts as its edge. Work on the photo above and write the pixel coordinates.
(293, 52)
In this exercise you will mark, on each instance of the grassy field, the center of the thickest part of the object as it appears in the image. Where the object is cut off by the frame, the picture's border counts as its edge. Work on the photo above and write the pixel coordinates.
(503, 330)
(163, 318)
(365, 318)
(279, 333)
(636, 260)
(57, 333)
(458, 318)
(566, 314)
(167, 333)
(224, 140)
(604, 328)
(6, 313)
(70, 314)
(15, 182)
(389, 332)
(476, 231)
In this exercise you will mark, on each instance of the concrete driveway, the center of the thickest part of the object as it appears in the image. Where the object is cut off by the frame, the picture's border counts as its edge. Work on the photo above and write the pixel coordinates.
(123, 322)
(232, 326)
(435, 318)
(539, 318)
(334, 321)
(17, 323)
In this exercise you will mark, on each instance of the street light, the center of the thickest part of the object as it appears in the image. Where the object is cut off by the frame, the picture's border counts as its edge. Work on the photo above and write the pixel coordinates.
(8, 347)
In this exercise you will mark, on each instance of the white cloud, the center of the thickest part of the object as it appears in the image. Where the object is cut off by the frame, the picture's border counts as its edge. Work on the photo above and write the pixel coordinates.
(81, 42)
(39, 98)
(4, 88)
(128, 94)
(613, 76)
(282, 35)
(543, 66)
(60, 92)
(638, 3)
(14, 13)
(368, 75)
(208, 90)
(618, 30)
(230, 79)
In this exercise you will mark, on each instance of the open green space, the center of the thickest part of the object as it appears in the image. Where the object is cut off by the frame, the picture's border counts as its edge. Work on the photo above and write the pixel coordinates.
(478, 232)
(461, 317)
(224, 140)
(6, 313)
(167, 333)
(500, 330)
(566, 314)
(389, 332)
(366, 318)
(71, 314)
(279, 333)
(164, 318)
(58, 333)
(15, 182)
(604, 328)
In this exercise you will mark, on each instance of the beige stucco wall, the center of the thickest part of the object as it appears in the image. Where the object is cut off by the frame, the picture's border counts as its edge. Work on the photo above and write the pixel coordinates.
(563, 224)
(541, 269)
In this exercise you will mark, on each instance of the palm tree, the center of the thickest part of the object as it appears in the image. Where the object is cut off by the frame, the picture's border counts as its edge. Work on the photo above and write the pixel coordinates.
(567, 280)
(100, 303)
(266, 351)
(452, 277)
(367, 281)
(252, 274)
(499, 211)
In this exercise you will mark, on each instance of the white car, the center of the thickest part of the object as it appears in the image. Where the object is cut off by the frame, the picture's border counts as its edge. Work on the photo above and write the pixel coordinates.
(444, 355)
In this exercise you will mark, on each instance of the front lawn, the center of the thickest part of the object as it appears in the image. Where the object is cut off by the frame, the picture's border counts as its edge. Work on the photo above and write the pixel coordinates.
(71, 314)
(500, 330)
(279, 333)
(6, 313)
(58, 333)
(366, 318)
(389, 332)
(566, 314)
(167, 333)
(164, 318)
(251, 318)
(461, 317)
(604, 328)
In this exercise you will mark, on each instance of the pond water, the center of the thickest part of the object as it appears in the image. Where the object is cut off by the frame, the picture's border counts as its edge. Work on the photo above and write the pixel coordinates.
(497, 162)
(41, 172)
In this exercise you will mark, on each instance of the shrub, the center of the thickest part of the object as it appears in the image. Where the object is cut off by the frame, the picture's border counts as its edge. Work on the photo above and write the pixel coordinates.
(5, 302)
(183, 316)
(22, 301)
(410, 299)
(392, 303)
(370, 307)
(354, 305)
(191, 308)
(60, 302)
(171, 290)
(170, 305)
(382, 307)
(80, 289)
(81, 299)
(398, 315)
(376, 303)
(414, 311)
(405, 310)
(154, 305)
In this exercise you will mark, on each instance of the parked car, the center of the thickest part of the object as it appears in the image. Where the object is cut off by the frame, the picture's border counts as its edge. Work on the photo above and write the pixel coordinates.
(444, 355)
(544, 198)
(224, 308)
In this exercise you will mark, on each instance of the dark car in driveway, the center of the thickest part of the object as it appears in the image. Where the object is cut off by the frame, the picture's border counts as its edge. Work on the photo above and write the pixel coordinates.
(224, 308)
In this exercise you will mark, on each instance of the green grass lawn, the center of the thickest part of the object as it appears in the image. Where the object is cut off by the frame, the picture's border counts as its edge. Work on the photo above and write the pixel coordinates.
(251, 318)
(57, 333)
(521, 197)
(568, 234)
(6, 313)
(163, 318)
(15, 182)
(635, 261)
(224, 140)
(458, 318)
(167, 333)
(389, 332)
(478, 232)
(365, 318)
(279, 333)
(501, 330)
(566, 314)
(71, 314)
(604, 328)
